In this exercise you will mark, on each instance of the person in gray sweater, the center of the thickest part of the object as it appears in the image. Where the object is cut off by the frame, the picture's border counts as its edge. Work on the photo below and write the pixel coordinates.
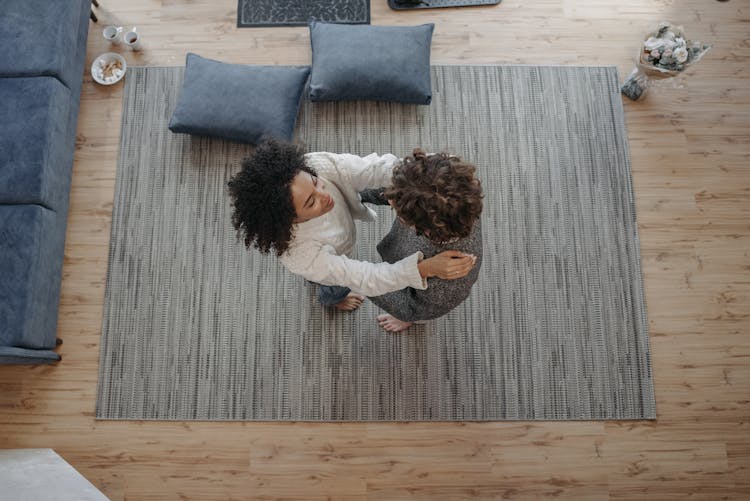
(438, 203)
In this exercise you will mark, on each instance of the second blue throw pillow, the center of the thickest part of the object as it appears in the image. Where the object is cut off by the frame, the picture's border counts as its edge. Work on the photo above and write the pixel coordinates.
(377, 63)
(238, 102)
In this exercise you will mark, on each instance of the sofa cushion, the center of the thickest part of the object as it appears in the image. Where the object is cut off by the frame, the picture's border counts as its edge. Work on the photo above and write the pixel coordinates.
(32, 240)
(238, 102)
(378, 63)
(37, 142)
(25, 356)
(43, 37)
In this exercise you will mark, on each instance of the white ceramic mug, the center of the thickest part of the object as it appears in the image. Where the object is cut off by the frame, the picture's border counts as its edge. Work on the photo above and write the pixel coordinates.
(112, 34)
(132, 39)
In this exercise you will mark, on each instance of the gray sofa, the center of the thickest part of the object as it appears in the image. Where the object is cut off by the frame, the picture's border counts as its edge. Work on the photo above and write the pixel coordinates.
(41, 69)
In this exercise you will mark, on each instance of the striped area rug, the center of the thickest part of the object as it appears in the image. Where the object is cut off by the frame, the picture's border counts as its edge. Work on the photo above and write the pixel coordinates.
(198, 328)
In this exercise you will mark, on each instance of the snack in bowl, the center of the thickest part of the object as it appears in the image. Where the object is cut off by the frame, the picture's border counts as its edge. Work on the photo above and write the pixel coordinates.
(108, 68)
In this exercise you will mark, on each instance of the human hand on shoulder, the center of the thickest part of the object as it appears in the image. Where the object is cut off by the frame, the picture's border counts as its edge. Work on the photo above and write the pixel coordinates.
(448, 265)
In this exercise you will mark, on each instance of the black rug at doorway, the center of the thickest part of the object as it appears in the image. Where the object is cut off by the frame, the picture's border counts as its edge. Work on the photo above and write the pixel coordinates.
(259, 13)
(438, 4)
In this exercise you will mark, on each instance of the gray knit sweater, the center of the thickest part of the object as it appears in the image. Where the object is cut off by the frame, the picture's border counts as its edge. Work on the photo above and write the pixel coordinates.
(441, 296)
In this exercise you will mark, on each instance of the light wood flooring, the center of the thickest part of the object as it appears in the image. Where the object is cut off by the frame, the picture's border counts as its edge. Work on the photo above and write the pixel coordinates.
(690, 147)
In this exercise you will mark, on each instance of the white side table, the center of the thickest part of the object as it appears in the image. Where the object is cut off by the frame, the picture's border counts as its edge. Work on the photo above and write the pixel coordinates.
(41, 474)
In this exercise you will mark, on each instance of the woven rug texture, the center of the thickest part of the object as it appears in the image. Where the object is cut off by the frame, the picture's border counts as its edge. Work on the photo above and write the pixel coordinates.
(259, 13)
(196, 327)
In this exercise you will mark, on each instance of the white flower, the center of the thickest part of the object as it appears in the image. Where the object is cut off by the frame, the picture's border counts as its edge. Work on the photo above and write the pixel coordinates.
(667, 53)
(655, 54)
(681, 54)
(651, 44)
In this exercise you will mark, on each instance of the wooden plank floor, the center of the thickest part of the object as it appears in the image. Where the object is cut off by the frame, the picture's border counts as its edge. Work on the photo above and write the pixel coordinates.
(690, 146)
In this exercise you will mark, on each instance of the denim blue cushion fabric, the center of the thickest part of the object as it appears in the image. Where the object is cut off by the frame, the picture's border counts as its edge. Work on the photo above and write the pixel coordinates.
(238, 102)
(373, 63)
(40, 87)
(35, 153)
(23, 356)
(42, 37)
(32, 241)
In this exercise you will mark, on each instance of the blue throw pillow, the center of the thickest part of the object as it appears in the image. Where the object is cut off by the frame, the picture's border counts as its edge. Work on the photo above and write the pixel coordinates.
(378, 63)
(238, 102)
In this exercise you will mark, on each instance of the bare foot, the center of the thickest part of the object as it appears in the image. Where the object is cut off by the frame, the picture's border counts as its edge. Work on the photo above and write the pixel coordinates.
(393, 324)
(350, 302)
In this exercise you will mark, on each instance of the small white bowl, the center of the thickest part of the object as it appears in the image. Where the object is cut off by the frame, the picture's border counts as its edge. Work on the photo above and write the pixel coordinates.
(101, 62)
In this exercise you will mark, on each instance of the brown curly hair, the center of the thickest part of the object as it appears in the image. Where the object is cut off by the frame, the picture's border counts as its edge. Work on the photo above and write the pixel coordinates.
(261, 195)
(437, 195)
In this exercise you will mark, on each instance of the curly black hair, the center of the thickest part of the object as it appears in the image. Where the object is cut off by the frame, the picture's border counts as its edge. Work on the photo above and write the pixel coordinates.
(261, 195)
(437, 195)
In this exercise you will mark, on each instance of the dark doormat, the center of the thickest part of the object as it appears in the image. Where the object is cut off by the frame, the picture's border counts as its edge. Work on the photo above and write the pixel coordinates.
(436, 4)
(257, 13)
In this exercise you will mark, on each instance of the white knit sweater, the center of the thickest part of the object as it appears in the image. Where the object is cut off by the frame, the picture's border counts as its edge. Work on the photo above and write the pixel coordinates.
(320, 247)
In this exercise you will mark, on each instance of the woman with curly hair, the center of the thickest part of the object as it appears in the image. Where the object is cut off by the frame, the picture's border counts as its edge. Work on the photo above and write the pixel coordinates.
(302, 207)
(438, 203)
